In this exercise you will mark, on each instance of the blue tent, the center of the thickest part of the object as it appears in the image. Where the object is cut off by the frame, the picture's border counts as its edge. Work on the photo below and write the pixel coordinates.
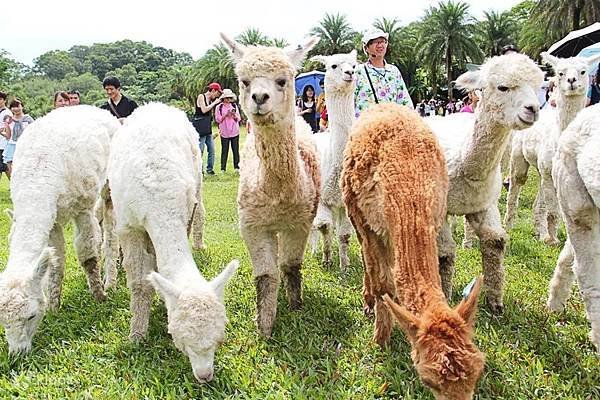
(309, 78)
(591, 51)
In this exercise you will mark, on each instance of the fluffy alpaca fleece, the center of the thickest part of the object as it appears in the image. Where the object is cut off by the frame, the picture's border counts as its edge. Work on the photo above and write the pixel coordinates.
(536, 146)
(576, 173)
(279, 178)
(339, 97)
(154, 175)
(395, 184)
(473, 146)
(59, 169)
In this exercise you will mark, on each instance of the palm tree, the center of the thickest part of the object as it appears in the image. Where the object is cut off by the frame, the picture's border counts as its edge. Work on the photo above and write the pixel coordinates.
(566, 15)
(253, 37)
(448, 34)
(336, 35)
(495, 31)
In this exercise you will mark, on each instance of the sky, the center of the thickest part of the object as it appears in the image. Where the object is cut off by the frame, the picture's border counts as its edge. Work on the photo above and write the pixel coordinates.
(37, 26)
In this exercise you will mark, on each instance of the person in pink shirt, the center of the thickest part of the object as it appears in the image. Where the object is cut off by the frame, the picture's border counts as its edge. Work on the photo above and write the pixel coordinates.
(227, 115)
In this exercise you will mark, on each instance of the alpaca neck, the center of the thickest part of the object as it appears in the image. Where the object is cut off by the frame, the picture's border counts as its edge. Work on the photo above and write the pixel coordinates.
(340, 109)
(568, 107)
(277, 151)
(173, 256)
(30, 233)
(485, 146)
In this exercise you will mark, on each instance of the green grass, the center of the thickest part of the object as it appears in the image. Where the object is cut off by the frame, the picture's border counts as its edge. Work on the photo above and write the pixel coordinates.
(323, 351)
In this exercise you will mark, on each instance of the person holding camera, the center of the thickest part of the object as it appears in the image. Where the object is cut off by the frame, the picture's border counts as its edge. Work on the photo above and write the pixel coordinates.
(12, 130)
(203, 121)
(227, 115)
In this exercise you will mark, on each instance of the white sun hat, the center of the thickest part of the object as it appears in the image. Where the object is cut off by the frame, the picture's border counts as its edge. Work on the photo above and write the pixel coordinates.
(228, 93)
(373, 34)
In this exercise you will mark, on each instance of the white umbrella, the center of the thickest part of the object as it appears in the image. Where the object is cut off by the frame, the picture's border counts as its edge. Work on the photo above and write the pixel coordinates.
(575, 41)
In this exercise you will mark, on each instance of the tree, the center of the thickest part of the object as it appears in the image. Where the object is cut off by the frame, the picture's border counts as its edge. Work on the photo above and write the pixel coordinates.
(336, 35)
(566, 15)
(447, 34)
(253, 37)
(496, 31)
(54, 64)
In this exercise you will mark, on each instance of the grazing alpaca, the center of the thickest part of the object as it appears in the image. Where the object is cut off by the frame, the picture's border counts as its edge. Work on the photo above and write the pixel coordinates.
(576, 173)
(473, 148)
(279, 180)
(59, 170)
(339, 97)
(395, 184)
(536, 146)
(154, 189)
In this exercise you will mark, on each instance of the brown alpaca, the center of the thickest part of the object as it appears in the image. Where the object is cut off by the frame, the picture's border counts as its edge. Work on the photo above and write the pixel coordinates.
(395, 184)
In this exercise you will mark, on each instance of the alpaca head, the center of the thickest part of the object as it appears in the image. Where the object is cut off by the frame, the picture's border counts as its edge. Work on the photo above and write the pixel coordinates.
(509, 85)
(23, 301)
(266, 79)
(196, 318)
(339, 72)
(443, 353)
(572, 78)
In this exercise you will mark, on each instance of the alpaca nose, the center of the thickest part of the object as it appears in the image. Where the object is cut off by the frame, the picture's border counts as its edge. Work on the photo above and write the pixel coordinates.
(533, 108)
(260, 98)
(204, 377)
(572, 80)
(350, 73)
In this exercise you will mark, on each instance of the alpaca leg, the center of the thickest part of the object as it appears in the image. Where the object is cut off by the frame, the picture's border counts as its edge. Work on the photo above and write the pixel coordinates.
(291, 251)
(384, 323)
(138, 263)
(87, 240)
(492, 239)
(562, 280)
(518, 177)
(446, 255)
(324, 223)
(262, 246)
(344, 232)
(551, 208)
(470, 235)
(110, 244)
(539, 215)
(198, 220)
(56, 240)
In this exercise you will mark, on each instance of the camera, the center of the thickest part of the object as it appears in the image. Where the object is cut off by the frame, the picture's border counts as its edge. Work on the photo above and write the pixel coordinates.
(7, 118)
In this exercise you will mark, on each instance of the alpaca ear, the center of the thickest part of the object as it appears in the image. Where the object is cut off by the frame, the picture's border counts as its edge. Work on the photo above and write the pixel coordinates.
(45, 262)
(237, 50)
(467, 308)
(408, 323)
(298, 54)
(218, 284)
(549, 58)
(167, 290)
(468, 81)
(321, 59)
(353, 54)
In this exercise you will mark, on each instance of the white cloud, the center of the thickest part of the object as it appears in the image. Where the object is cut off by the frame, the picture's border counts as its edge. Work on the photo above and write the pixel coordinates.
(190, 26)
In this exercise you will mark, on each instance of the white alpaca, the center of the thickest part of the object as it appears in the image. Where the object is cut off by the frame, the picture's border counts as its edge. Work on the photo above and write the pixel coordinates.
(279, 178)
(576, 173)
(536, 146)
(339, 97)
(59, 169)
(473, 147)
(154, 175)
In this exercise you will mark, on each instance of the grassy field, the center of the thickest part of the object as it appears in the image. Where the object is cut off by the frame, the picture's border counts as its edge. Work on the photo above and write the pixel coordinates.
(323, 351)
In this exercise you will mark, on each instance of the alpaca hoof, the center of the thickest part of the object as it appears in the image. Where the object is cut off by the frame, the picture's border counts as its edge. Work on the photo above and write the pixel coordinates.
(265, 330)
(550, 241)
(136, 337)
(295, 304)
(555, 306)
(495, 307)
(53, 306)
(467, 244)
(368, 311)
(199, 245)
(506, 184)
(100, 296)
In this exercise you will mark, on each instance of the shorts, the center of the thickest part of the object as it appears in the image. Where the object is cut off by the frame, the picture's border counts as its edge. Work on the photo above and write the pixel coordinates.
(9, 152)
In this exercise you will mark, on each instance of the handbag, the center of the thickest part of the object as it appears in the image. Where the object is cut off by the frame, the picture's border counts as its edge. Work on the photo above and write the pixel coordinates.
(202, 125)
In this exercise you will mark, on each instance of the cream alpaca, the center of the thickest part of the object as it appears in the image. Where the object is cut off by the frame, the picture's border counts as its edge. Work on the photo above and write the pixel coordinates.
(59, 169)
(279, 179)
(395, 184)
(473, 149)
(576, 173)
(339, 97)
(154, 188)
(536, 146)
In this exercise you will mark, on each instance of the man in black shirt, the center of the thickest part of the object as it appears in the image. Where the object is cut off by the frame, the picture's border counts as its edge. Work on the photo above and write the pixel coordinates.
(118, 105)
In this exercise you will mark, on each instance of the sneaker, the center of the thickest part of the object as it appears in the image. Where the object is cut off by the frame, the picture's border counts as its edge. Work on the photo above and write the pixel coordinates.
(210, 172)
(237, 170)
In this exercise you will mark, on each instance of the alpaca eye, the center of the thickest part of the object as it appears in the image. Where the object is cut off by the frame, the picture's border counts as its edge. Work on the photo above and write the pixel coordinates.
(246, 83)
(503, 88)
(561, 74)
(582, 72)
(334, 66)
(31, 317)
(280, 82)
